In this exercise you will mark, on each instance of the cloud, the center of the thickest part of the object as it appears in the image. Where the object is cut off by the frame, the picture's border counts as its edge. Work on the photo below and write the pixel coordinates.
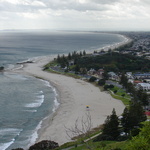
(74, 13)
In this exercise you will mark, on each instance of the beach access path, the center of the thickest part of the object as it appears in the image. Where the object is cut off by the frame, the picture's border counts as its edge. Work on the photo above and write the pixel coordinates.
(74, 95)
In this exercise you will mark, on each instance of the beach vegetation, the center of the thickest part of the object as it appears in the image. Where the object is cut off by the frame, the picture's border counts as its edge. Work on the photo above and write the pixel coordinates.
(101, 82)
(118, 93)
(44, 145)
(92, 79)
(125, 100)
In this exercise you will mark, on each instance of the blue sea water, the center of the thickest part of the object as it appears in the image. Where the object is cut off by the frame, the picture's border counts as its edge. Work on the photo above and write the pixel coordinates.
(24, 100)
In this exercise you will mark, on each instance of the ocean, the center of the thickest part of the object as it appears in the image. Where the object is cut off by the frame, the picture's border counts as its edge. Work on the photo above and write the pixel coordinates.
(25, 100)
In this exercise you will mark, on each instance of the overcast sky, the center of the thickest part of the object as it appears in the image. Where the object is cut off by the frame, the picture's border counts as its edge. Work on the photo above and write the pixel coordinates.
(75, 14)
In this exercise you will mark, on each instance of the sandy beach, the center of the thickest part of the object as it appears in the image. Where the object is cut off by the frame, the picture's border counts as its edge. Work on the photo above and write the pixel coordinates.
(117, 45)
(74, 95)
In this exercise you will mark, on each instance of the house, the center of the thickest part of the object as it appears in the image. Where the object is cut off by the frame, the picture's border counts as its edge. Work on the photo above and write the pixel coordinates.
(142, 75)
(143, 86)
(100, 72)
(147, 80)
(129, 75)
(97, 74)
(135, 82)
(113, 76)
(130, 81)
(91, 71)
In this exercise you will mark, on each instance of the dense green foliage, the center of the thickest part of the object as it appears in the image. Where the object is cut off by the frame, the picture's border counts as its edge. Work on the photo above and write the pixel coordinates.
(92, 79)
(141, 141)
(101, 82)
(132, 118)
(115, 62)
(111, 128)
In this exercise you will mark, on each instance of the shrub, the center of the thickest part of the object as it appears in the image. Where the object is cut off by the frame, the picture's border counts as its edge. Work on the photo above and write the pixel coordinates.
(101, 82)
(103, 137)
(123, 95)
(44, 145)
(111, 86)
(92, 79)
(106, 87)
(115, 91)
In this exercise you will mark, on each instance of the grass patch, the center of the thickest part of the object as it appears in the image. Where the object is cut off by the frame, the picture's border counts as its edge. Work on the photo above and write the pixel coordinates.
(123, 99)
(120, 95)
(102, 145)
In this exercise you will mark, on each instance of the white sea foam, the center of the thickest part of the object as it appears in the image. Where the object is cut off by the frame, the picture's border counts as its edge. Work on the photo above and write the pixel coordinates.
(18, 67)
(47, 84)
(37, 102)
(34, 136)
(41, 92)
(54, 90)
(31, 110)
(10, 130)
(12, 133)
(56, 104)
(4, 146)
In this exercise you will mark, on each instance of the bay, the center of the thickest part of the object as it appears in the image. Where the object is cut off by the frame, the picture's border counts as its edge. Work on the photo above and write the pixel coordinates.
(25, 101)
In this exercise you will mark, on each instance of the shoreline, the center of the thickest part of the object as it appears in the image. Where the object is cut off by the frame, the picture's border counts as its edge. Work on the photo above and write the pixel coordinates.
(117, 45)
(73, 95)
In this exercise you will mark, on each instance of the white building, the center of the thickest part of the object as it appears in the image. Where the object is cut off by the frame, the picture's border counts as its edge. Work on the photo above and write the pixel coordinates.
(143, 86)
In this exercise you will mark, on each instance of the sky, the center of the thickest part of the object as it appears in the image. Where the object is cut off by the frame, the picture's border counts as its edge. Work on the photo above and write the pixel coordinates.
(101, 15)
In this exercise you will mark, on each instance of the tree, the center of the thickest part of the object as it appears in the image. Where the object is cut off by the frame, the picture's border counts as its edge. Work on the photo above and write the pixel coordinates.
(141, 141)
(92, 79)
(132, 117)
(81, 53)
(124, 80)
(101, 82)
(125, 121)
(77, 69)
(111, 126)
(83, 71)
(58, 58)
(69, 56)
(43, 145)
(142, 97)
(105, 75)
(136, 113)
(81, 128)
(84, 53)
(108, 86)
(130, 88)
